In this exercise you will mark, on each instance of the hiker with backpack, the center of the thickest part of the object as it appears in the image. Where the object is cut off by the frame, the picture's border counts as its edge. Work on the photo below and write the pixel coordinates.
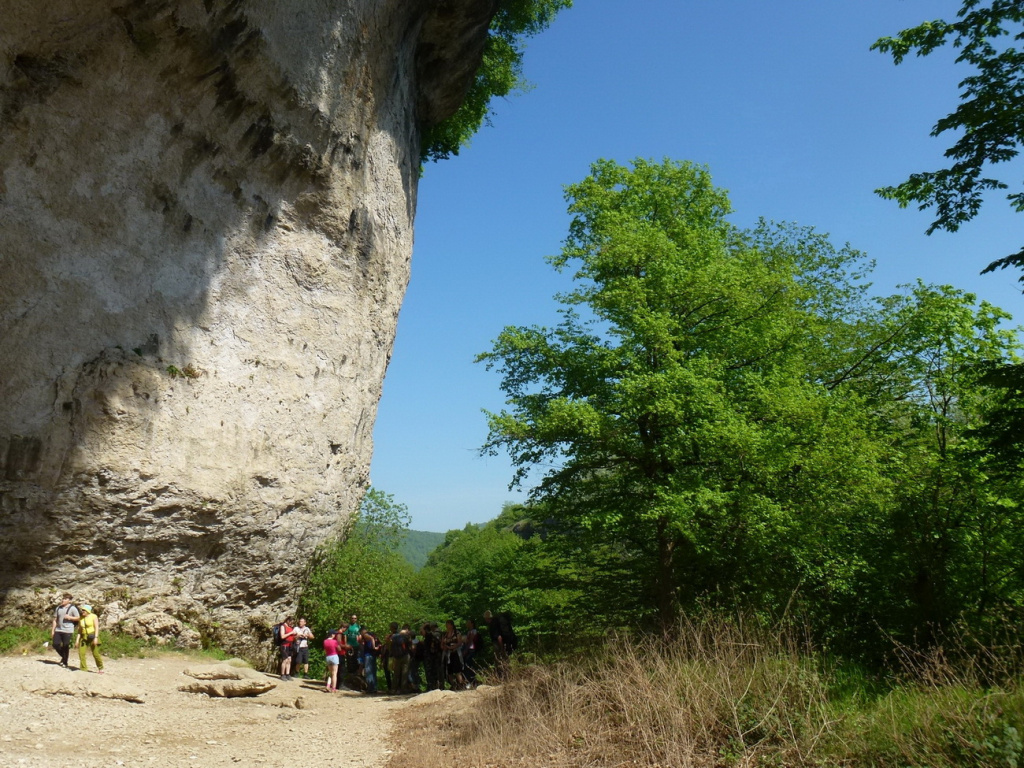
(398, 653)
(370, 647)
(64, 620)
(284, 639)
(431, 652)
(88, 638)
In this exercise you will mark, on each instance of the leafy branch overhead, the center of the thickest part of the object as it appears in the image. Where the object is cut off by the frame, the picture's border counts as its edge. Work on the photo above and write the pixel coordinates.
(500, 74)
(989, 118)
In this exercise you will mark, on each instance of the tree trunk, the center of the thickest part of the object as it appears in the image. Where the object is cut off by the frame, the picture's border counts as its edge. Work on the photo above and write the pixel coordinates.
(666, 586)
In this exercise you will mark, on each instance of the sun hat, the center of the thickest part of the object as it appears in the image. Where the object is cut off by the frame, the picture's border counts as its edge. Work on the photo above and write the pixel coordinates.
(87, 608)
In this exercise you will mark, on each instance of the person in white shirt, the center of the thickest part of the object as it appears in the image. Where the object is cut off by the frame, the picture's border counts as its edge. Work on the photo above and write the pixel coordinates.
(303, 635)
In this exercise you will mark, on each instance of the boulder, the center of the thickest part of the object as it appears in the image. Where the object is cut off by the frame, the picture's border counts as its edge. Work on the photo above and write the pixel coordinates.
(227, 682)
(225, 671)
(93, 687)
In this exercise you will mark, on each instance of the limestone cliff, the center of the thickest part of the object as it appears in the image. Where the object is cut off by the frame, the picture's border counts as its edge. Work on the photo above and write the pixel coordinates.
(206, 213)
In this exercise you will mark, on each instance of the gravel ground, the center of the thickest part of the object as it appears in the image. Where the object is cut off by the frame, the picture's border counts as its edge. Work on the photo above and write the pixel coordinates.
(52, 717)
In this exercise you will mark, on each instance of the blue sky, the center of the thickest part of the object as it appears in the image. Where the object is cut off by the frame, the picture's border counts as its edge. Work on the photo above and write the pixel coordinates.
(782, 101)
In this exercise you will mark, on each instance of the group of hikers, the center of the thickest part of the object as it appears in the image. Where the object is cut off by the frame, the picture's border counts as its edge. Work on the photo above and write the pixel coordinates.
(78, 626)
(433, 657)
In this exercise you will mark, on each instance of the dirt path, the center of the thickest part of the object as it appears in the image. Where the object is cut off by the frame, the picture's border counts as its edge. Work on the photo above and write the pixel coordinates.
(40, 726)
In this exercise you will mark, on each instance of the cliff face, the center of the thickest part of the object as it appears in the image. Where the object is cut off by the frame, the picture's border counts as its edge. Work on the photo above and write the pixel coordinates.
(206, 213)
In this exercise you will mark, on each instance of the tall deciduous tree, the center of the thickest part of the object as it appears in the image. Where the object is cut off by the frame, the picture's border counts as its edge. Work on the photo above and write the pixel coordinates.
(697, 403)
(946, 546)
(989, 119)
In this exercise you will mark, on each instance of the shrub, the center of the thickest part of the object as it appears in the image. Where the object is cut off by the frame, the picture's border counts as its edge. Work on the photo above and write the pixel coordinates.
(22, 639)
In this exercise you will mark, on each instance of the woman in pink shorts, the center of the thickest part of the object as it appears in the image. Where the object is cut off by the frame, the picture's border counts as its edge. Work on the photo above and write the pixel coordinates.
(333, 659)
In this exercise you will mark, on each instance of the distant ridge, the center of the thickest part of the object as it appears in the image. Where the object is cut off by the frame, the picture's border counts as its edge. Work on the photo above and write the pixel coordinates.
(418, 544)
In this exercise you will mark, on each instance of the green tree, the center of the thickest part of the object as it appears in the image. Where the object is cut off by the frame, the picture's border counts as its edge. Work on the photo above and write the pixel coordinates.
(989, 121)
(1002, 437)
(946, 546)
(699, 409)
(502, 565)
(362, 571)
(500, 73)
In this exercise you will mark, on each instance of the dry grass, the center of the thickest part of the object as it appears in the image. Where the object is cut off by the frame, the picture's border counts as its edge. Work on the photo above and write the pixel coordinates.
(723, 695)
(717, 694)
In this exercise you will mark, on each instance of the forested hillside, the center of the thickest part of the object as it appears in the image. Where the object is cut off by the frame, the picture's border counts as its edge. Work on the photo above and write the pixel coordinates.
(416, 545)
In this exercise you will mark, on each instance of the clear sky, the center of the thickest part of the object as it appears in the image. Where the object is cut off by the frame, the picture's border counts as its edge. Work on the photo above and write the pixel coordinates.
(781, 99)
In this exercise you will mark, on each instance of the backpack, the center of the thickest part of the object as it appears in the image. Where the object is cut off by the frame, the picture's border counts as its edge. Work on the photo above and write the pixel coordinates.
(399, 647)
(278, 640)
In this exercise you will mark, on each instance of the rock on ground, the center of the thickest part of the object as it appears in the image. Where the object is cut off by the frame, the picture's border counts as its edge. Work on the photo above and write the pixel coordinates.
(227, 682)
(91, 687)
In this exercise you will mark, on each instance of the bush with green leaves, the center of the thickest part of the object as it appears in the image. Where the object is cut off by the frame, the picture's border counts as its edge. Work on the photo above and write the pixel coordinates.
(362, 572)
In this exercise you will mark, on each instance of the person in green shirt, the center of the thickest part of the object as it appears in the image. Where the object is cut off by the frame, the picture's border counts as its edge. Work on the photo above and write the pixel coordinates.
(354, 656)
(89, 637)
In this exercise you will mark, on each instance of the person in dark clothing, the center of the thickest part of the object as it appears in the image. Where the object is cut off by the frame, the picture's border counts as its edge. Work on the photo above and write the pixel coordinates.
(415, 660)
(451, 649)
(432, 656)
(354, 657)
(503, 638)
(470, 649)
(398, 652)
(371, 650)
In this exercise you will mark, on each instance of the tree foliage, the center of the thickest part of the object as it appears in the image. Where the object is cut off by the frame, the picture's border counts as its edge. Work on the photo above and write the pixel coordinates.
(696, 398)
(362, 571)
(498, 566)
(989, 121)
(499, 75)
(731, 417)
(943, 547)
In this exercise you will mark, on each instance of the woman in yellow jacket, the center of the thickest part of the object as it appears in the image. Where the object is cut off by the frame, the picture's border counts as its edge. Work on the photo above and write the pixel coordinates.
(89, 635)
